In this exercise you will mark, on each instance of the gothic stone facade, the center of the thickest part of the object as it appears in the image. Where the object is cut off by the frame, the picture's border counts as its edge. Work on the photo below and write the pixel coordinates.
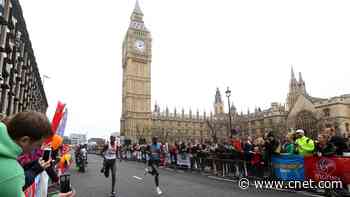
(138, 121)
(301, 111)
(21, 88)
(190, 127)
(314, 114)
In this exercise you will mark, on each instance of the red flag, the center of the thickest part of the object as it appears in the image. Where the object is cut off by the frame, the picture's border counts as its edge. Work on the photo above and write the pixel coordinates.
(56, 118)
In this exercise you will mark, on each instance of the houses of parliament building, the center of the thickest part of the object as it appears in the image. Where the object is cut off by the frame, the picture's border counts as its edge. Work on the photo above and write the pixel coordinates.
(140, 121)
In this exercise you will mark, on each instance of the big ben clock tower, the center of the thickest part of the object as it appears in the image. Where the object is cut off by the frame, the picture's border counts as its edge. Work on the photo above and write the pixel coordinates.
(135, 119)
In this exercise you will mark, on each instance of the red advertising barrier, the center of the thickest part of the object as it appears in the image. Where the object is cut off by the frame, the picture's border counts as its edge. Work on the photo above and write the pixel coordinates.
(327, 169)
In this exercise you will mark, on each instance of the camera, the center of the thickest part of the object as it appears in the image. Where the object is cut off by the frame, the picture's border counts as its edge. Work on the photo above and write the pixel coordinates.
(65, 183)
(47, 154)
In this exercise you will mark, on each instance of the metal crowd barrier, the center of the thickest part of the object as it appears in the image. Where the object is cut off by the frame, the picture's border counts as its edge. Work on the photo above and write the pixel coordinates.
(214, 164)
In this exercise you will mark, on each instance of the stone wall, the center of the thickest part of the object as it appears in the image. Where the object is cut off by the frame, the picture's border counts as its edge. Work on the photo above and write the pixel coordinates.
(21, 88)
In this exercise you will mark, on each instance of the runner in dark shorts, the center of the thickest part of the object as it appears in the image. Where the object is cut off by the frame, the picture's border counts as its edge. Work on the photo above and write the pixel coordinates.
(153, 151)
(109, 154)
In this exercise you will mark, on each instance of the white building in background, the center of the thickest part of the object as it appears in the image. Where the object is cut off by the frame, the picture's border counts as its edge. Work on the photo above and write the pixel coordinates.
(77, 138)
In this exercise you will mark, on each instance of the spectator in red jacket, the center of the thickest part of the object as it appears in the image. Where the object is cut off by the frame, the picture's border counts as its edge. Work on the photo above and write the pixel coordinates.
(173, 152)
(237, 144)
(257, 162)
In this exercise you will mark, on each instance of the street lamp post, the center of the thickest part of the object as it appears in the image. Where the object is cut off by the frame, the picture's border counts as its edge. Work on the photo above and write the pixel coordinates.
(228, 94)
(45, 77)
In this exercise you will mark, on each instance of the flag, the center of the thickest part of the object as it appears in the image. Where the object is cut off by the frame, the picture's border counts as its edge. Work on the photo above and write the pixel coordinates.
(62, 127)
(57, 117)
(56, 120)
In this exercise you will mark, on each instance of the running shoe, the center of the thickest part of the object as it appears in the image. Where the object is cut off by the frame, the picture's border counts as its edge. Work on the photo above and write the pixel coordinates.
(159, 191)
(106, 172)
(146, 171)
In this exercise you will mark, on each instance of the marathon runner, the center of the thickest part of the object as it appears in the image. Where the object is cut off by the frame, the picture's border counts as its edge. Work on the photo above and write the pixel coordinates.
(109, 154)
(154, 159)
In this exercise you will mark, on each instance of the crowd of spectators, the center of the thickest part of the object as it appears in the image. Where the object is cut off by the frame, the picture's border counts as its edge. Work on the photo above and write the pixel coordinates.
(22, 138)
(248, 156)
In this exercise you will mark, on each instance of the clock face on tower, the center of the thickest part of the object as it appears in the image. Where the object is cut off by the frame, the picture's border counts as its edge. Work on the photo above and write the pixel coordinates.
(140, 45)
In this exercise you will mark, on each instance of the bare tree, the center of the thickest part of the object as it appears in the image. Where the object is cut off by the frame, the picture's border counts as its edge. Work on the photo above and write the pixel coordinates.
(140, 134)
(214, 127)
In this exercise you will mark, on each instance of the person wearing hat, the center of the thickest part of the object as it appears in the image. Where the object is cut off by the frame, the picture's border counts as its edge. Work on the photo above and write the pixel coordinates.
(304, 145)
(109, 154)
(154, 150)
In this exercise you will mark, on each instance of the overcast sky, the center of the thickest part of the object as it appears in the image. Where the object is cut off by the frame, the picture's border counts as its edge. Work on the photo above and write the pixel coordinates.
(197, 46)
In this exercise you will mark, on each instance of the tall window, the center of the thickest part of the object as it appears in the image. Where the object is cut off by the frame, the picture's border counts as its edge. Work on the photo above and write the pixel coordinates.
(2, 5)
(306, 120)
(326, 112)
(347, 127)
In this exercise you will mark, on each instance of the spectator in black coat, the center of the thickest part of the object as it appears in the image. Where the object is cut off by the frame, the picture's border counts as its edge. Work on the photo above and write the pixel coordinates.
(247, 154)
(324, 147)
(271, 147)
(338, 141)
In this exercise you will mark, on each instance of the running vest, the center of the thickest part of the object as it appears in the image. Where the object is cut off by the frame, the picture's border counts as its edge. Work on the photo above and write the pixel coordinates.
(155, 151)
(111, 152)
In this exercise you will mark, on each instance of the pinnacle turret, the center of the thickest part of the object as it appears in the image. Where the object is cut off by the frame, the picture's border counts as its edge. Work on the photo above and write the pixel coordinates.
(137, 8)
(293, 80)
(296, 88)
(233, 108)
(218, 99)
(301, 81)
(292, 73)
(137, 15)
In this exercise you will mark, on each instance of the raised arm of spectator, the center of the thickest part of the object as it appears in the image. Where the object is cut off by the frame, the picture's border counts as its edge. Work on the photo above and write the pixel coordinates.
(32, 170)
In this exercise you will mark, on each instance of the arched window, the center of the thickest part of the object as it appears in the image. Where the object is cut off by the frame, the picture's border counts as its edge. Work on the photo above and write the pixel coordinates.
(326, 112)
(307, 121)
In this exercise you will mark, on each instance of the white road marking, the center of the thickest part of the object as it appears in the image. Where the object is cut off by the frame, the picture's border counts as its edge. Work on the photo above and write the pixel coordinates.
(138, 178)
(221, 179)
(309, 194)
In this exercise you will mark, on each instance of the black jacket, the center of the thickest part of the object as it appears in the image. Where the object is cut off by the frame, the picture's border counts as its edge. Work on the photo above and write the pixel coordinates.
(270, 147)
(33, 169)
(327, 150)
(247, 148)
(340, 144)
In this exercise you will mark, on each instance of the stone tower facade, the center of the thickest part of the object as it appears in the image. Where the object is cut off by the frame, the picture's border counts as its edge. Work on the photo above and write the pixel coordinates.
(296, 88)
(218, 104)
(136, 90)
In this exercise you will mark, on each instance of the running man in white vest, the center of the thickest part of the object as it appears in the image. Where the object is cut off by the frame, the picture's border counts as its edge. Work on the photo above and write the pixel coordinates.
(109, 154)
